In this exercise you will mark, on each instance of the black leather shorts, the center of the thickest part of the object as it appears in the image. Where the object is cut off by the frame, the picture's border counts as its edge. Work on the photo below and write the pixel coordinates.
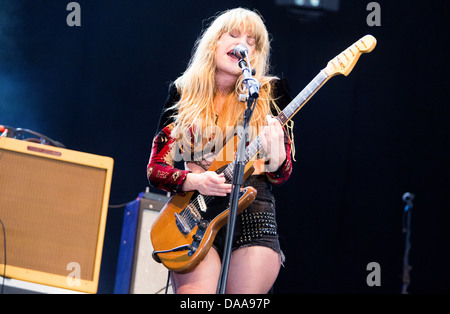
(256, 225)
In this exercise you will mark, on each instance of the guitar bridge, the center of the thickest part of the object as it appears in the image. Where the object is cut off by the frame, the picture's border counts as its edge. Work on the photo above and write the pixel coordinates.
(181, 224)
(188, 218)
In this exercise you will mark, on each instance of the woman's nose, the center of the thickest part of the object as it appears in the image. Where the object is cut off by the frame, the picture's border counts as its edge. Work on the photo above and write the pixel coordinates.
(242, 40)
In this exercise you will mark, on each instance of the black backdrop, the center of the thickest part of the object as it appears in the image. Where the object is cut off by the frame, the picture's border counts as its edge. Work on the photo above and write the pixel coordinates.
(361, 141)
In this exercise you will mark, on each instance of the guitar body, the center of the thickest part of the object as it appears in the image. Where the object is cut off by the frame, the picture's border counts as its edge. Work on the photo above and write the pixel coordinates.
(191, 222)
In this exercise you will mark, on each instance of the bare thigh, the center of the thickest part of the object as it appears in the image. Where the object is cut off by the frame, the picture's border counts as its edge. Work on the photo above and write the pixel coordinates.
(203, 279)
(253, 270)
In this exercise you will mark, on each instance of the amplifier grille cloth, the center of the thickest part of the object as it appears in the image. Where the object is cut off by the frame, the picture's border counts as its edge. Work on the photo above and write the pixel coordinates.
(50, 209)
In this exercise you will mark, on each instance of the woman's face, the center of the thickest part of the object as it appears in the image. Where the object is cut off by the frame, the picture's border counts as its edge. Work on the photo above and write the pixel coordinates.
(226, 61)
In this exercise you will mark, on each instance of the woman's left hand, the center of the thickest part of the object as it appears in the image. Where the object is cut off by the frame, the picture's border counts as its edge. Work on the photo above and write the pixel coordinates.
(272, 141)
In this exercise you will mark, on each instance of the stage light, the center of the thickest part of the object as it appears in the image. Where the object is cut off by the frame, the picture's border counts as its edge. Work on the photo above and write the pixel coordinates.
(308, 10)
(327, 5)
(315, 3)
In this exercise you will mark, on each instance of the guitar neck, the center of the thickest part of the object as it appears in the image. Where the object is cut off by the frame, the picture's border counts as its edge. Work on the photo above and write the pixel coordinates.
(302, 98)
(341, 64)
(294, 106)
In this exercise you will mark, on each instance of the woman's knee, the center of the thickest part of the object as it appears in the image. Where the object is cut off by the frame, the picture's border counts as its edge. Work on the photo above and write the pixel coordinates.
(253, 270)
(202, 279)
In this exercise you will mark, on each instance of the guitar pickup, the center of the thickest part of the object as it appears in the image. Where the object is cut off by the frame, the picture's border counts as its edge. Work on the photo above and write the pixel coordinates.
(201, 203)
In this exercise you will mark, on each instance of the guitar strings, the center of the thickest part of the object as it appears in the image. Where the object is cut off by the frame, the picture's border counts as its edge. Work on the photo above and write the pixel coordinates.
(296, 104)
(187, 215)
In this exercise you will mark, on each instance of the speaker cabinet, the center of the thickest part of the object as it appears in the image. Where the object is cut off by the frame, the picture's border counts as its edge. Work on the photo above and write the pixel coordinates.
(137, 272)
(53, 204)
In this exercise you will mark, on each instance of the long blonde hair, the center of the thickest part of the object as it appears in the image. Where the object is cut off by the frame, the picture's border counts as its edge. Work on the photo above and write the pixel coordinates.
(197, 84)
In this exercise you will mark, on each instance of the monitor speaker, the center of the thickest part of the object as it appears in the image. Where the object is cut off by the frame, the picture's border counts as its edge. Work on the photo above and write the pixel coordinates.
(53, 205)
(137, 272)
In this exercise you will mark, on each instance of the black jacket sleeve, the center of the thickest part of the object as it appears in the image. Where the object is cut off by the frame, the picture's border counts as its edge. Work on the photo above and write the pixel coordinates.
(166, 116)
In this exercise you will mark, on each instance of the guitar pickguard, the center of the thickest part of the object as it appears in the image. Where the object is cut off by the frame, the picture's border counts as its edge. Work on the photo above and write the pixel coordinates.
(202, 208)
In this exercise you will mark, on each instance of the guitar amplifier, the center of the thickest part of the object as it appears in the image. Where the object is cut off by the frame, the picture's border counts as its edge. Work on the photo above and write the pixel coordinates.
(137, 272)
(53, 205)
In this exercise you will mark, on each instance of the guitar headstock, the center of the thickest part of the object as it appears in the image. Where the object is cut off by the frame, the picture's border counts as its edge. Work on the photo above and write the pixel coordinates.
(346, 60)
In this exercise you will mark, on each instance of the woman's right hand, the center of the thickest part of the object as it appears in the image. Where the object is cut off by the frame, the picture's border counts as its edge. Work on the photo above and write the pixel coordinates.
(207, 183)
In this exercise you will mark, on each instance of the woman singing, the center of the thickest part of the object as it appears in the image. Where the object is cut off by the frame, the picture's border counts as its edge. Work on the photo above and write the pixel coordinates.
(204, 98)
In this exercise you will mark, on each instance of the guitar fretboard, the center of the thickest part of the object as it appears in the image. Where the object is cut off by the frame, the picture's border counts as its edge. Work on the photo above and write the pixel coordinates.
(294, 106)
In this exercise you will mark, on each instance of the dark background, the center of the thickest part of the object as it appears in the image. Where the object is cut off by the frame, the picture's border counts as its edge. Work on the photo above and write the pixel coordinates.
(362, 140)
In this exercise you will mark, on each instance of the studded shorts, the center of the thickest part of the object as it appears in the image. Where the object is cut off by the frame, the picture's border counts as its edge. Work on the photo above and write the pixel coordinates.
(256, 225)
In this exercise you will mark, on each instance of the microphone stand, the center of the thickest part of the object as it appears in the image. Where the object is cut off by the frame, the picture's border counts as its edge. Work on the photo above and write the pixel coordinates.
(407, 198)
(253, 86)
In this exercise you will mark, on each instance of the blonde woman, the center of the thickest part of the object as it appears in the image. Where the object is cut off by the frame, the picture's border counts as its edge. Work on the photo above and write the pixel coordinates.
(205, 97)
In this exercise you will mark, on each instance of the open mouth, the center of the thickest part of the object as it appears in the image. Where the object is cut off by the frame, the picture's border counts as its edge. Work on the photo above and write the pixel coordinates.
(232, 55)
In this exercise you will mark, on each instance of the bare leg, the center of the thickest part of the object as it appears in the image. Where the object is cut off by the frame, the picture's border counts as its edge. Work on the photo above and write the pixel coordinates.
(253, 270)
(202, 280)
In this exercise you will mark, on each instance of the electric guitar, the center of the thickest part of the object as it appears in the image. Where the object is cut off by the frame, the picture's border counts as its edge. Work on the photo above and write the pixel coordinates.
(185, 229)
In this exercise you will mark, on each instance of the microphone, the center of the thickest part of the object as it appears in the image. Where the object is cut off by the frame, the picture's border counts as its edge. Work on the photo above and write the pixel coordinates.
(240, 51)
(408, 197)
(253, 86)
